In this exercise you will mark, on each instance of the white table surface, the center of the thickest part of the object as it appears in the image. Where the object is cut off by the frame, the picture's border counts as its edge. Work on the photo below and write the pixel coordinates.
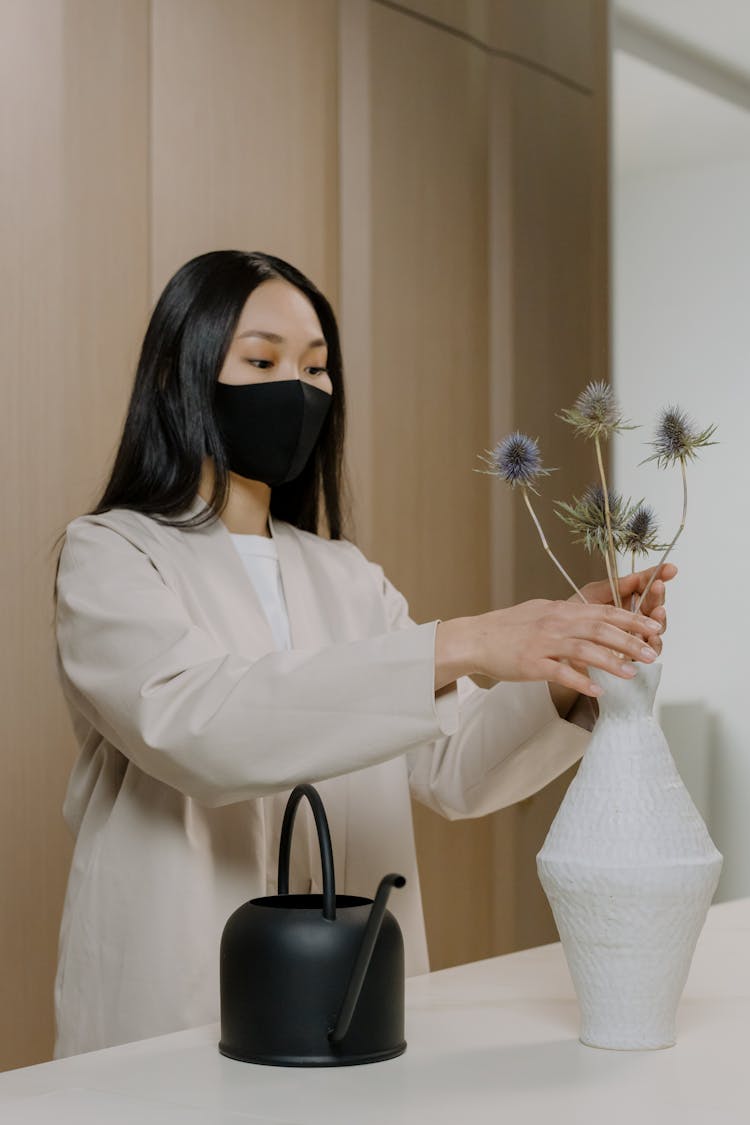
(492, 1041)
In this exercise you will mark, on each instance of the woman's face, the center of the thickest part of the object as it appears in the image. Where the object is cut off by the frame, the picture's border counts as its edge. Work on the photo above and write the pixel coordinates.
(278, 336)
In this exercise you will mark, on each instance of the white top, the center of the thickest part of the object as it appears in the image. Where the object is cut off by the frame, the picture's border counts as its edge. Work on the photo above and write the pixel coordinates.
(494, 1040)
(260, 558)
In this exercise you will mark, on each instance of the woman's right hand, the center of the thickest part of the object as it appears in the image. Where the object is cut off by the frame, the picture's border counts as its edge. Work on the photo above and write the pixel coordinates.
(535, 639)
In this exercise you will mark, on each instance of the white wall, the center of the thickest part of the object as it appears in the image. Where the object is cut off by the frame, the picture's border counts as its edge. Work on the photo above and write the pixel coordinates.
(681, 313)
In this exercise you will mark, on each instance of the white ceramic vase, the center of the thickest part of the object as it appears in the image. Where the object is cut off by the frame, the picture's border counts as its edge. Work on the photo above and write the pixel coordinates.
(629, 870)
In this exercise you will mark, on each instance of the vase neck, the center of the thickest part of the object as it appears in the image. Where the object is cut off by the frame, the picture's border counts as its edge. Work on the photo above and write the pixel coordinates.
(627, 698)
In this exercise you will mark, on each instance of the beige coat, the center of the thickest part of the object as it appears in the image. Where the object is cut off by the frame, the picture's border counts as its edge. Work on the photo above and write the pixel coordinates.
(192, 728)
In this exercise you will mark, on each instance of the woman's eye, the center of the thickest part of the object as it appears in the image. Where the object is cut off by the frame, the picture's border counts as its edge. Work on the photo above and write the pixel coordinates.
(316, 370)
(268, 361)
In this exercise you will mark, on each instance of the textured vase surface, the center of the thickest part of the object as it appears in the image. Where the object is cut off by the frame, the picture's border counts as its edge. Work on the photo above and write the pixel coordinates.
(629, 870)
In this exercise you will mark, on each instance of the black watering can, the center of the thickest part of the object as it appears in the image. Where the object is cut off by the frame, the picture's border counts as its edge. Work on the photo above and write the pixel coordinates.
(312, 980)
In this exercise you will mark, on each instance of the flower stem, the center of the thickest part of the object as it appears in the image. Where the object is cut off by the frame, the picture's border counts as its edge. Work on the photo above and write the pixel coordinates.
(632, 571)
(546, 545)
(663, 559)
(612, 565)
(605, 556)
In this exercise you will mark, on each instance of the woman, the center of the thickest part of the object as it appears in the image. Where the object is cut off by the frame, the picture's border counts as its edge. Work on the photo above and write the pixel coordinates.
(215, 650)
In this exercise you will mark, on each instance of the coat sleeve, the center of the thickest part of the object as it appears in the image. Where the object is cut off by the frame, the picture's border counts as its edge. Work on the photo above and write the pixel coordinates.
(508, 742)
(217, 725)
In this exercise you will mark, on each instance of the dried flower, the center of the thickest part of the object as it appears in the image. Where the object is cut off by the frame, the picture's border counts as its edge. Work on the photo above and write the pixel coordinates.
(676, 441)
(516, 460)
(596, 413)
(587, 517)
(676, 438)
(639, 532)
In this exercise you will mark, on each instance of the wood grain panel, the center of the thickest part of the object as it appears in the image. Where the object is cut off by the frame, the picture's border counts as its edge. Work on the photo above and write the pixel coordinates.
(527, 201)
(74, 88)
(471, 17)
(555, 184)
(430, 384)
(244, 139)
(355, 246)
(429, 264)
(554, 35)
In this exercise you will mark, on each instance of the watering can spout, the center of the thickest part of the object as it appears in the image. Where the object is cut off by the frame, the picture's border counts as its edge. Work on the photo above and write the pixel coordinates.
(362, 962)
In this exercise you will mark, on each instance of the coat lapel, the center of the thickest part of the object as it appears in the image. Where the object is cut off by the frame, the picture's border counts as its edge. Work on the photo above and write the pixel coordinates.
(306, 627)
(307, 623)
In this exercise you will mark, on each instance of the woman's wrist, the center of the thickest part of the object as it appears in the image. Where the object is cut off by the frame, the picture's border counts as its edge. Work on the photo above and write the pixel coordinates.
(455, 650)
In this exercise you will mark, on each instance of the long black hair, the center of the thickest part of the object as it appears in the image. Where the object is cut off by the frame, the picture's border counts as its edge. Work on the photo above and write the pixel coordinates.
(170, 424)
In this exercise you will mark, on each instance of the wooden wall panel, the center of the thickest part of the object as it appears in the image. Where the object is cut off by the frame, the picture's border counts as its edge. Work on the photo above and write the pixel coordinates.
(73, 290)
(550, 177)
(429, 381)
(559, 36)
(429, 281)
(244, 138)
(482, 143)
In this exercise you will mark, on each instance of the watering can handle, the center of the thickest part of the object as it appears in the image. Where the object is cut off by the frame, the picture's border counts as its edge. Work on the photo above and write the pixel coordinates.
(324, 841)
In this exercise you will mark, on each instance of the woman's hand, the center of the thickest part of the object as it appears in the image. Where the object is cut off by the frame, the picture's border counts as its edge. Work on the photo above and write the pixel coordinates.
(540, 639)
(600, 593)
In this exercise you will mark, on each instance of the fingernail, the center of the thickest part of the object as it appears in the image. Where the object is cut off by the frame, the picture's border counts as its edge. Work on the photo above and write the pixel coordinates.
(595, 689)
(648, 653)
(628, 670)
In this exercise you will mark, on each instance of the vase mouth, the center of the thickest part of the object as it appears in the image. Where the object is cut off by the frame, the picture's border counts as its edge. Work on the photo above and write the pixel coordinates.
(620, 691)
(650, 673)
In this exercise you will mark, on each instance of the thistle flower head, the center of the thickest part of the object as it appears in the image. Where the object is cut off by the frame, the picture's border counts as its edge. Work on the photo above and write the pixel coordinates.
(639, 532)
(677, 438)
(587, 517)
(516, 460)
(596, 413)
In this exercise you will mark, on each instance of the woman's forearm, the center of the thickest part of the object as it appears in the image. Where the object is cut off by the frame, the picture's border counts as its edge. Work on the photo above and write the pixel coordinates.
(455, 651)
(456, 655)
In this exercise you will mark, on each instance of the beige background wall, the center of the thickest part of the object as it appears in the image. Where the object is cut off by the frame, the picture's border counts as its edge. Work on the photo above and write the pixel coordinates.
(438, 168)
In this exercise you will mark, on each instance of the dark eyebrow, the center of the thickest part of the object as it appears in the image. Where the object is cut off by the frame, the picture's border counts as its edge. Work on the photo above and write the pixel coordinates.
(276, 339)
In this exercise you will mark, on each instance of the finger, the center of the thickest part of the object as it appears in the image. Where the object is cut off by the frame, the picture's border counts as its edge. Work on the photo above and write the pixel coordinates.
(603, 635)
(655, 597)
(597, 656)
(636, 583)
(621, 618)
(615, 642)
(600, 593)
(558, 673)
(656, 641)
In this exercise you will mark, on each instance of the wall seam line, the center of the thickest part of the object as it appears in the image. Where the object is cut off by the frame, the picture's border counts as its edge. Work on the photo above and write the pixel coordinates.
(497, 52)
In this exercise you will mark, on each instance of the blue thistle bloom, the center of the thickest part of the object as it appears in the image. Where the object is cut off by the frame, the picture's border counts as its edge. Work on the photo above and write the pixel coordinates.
(595, 412)
(588, 519)
(639, 532)
(677, 438)
(516, 460)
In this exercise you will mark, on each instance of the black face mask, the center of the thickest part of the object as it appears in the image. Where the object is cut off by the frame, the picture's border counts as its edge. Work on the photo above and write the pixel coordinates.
(270, 429)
